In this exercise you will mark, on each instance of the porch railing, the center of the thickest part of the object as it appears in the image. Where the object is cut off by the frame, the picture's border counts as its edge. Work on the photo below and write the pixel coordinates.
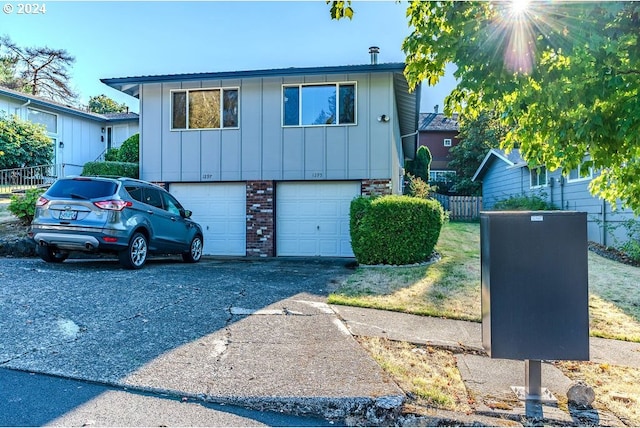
(17, 179)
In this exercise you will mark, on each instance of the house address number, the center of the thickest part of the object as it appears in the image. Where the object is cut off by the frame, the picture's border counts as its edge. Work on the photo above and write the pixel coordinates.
(316, 175)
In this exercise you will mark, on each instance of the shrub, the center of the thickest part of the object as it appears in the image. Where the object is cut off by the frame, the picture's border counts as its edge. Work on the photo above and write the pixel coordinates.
(524, 203)
(111, 155)
(23, 205)
(394, 229)
(119, 169)
(417, 187)
(129, 149)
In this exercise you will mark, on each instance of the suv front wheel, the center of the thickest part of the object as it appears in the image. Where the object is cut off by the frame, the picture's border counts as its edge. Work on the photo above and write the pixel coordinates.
(195, 251)
(135, 255)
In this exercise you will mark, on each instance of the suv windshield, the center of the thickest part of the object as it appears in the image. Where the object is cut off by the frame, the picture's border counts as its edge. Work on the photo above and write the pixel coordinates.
(79, 188)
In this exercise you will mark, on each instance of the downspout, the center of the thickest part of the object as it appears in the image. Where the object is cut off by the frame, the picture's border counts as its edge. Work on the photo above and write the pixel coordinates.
(23, 106)
(604, 222)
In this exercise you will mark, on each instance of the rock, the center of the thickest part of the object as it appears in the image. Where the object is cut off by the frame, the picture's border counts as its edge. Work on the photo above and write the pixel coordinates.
(581, 395)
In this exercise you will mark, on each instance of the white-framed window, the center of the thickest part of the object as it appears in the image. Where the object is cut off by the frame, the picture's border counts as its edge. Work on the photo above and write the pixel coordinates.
(441, 176)
(447, 142)
(49, 120)
(319, 104)
(581, 173)
(210, 108)
(538, 177)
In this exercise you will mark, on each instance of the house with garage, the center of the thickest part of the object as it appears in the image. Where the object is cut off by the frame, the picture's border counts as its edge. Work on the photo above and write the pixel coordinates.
(269, 160)
(78, 136)
(439, 134)
(504, 175)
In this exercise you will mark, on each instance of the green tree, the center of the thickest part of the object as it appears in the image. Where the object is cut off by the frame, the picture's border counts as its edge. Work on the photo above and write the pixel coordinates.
(23, 143)
(477, 136)
(103, 104)
(564, 77)
(419, 167)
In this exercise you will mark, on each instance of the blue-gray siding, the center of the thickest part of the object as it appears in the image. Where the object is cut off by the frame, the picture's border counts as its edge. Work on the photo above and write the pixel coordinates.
(501, 181)
(262, 149)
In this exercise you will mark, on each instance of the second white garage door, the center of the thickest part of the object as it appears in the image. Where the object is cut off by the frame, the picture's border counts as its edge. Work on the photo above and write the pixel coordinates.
(312, 219)
(221, 211)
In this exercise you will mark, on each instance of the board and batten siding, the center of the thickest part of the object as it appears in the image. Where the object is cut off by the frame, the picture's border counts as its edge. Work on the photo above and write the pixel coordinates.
(261, 148)
(501, 181)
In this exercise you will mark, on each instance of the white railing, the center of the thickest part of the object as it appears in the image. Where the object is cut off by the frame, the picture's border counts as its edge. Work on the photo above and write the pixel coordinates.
(16, 179)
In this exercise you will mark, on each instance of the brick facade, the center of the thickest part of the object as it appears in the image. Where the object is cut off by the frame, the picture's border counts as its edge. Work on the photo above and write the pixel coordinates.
(376, 187)
(260, 219)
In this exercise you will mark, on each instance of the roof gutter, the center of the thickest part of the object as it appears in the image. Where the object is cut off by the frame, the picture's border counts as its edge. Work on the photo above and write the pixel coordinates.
(25, 104)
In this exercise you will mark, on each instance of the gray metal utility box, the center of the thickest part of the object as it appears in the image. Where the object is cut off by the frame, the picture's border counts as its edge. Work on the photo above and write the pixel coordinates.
(535, 294)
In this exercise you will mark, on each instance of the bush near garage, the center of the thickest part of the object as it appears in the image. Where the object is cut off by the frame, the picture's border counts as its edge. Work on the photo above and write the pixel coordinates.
(394, 229)
(23, 205)
(113, 169)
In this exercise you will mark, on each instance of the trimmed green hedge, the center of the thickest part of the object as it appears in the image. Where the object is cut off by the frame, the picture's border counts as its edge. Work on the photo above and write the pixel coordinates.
(394, 229)
(118, 169)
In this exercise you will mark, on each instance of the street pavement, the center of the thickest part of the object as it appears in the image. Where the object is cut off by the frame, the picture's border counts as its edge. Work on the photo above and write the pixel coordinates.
(228, 342)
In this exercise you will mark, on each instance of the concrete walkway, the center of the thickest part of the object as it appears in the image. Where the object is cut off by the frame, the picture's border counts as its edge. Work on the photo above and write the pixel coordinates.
(489, 380)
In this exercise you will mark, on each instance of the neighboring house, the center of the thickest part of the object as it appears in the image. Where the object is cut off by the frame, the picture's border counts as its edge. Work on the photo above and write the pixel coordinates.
(78, 136)
(269, 160)
(439, 134)
(504, 175)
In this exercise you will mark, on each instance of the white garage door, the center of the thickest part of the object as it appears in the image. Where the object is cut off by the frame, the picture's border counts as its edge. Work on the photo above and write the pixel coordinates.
(312, 219)
(221, 211)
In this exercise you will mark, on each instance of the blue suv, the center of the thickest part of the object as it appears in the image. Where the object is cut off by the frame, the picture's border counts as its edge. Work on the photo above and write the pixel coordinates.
(123, 216)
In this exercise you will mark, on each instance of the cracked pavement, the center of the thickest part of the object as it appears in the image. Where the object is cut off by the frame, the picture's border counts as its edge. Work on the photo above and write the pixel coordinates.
(255, 333)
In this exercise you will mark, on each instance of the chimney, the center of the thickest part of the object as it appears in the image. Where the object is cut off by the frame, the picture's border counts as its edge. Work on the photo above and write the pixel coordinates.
(374, 51)
(435, 108)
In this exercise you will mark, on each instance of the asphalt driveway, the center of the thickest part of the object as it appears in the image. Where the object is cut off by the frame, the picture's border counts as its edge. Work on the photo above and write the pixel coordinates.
(90, 319)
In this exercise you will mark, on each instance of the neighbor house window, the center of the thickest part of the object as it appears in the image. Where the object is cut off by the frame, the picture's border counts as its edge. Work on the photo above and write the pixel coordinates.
(49, 120)
(538, 176)
(447, 142)
(582, 172)
(319, 104)
(441, 176)
(204, 108)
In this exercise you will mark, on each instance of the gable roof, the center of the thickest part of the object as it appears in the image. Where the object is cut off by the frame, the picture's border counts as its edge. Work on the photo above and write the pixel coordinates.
(35, 101)
(512, 159)
(438, 122)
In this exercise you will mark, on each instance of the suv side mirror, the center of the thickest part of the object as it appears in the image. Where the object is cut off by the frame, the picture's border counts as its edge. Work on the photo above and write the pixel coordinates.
(187, 214)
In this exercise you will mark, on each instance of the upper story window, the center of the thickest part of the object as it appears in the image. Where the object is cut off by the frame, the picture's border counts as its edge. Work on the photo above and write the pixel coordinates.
(204, 108)
(447, 142)
(538, 177)
(580, 173)
(319, 104)
(49, 120)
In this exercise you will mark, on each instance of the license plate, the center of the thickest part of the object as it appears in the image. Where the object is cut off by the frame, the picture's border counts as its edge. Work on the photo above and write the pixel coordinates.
(68, 215)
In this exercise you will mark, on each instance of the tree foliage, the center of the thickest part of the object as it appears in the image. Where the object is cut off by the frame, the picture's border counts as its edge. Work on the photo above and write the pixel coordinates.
(41, 71)
(477, 136)
(103, 104)
(419, 167)
(564, 78)
(23, 143)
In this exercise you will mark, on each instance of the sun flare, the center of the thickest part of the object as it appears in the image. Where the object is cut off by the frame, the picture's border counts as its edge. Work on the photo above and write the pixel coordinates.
(519, 7)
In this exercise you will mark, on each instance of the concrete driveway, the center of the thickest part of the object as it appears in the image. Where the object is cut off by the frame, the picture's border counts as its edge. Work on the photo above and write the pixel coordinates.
(90, 319)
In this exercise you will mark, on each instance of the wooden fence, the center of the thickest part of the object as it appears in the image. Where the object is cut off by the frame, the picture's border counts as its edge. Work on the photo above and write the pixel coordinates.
(461, 207)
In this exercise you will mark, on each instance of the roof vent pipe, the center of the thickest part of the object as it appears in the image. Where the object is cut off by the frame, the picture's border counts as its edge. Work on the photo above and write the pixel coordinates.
(435, 108)
(374, 51)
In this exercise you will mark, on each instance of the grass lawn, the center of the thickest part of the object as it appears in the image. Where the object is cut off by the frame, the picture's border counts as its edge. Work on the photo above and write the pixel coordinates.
(450, 288)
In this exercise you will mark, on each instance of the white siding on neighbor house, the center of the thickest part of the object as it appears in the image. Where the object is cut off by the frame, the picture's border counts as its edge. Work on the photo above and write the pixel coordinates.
(261, 148)
(220, 208)
(312, 218)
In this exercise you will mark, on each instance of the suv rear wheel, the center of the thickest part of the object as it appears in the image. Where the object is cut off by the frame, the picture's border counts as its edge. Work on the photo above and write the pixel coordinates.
(51, 255)
(195, 251)
(135, 255)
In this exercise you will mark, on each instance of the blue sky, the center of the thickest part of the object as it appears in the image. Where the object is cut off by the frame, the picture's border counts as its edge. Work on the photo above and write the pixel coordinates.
(123, 38)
